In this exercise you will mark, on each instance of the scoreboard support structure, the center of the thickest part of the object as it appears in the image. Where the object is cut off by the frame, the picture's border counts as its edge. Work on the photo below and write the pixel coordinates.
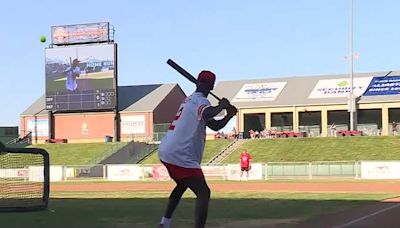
(51, 124)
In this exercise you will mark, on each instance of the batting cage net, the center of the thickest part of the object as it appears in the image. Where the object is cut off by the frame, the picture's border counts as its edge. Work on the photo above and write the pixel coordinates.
(24, 179)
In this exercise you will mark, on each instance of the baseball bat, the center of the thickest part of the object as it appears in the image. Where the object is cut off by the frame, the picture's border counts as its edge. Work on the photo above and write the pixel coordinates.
(187, 75)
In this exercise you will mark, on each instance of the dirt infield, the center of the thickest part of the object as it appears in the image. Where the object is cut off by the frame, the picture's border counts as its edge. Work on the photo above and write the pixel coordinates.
(333, 187)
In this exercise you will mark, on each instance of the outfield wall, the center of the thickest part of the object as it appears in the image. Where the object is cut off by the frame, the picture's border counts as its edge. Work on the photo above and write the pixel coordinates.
(259, 171)
(376, 170)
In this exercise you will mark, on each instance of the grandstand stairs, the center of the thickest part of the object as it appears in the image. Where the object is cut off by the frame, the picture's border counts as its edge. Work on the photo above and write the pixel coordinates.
(20, 142)
(131, 153)
(228, 150)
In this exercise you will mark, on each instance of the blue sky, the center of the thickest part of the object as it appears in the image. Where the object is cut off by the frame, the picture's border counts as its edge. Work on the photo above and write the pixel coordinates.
(235, 39)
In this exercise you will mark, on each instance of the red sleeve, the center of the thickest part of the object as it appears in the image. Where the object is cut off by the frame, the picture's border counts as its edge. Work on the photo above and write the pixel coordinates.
(200, 111)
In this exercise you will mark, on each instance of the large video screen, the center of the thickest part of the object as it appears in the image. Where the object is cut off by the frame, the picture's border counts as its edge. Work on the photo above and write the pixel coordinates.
(80, 78)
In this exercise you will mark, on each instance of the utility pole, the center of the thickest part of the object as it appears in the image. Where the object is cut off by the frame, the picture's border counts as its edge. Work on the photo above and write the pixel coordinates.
(351, 99)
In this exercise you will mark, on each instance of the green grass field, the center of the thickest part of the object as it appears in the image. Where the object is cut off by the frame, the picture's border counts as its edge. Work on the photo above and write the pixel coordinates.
(79, 154)
(103, 83)
(212, 148)
(144, 209)
(320, 149)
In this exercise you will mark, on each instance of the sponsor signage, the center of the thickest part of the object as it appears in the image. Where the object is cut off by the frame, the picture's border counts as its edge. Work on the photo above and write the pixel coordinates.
(159, 172)
(124, 172)
(340, 87)
(81, 33)
(56, 173)
(389, 85)
(213, 171)
(36, 173)
(255, 173)
(259, 92)
(38, 127)
(380, 170)
(133, 124)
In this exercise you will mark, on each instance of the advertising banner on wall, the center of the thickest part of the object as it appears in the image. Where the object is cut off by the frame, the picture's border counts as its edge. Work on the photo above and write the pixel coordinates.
(133, 124)
(124, 172)
(81, 33)
(56, 173)
(389, 85)
(380, 170)
(340, 87)
(214, 171)
(14, 173)
(38, 127)
(259, 92)
(36, 173)
(255, 173)
(159, 172)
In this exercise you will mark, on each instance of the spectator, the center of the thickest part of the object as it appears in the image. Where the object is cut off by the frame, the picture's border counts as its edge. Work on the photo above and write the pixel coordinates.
(251, 133)
(233, 133)
(333, 130)
(245, 159)
(223, 136)
(394, 128)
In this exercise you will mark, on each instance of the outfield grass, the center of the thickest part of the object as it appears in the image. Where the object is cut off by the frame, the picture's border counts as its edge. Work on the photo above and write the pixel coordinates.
(144, 209)
(79, 153)
(212, 147)
(320, 149)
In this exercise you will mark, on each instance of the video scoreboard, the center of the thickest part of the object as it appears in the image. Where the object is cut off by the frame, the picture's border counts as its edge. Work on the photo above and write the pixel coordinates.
(81, 78)
(85, 100)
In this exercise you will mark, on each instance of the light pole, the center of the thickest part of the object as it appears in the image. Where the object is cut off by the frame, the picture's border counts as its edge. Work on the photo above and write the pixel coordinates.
(35, 130)
(351, 99)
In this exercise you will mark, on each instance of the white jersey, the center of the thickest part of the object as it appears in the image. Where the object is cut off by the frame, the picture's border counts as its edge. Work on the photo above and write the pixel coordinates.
(183, 145)
(70, 83)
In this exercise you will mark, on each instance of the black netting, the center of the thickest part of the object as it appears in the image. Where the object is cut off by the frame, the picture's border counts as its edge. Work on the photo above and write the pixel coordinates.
(24, 179)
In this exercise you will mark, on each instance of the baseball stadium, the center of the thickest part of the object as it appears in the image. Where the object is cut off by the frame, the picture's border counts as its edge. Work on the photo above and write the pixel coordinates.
(324, 148)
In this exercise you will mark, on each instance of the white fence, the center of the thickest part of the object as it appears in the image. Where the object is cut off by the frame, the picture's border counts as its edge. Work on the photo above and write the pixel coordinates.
(259, 171)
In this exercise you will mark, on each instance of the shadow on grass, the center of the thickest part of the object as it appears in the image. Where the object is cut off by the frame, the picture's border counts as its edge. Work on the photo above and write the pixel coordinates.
(146, 212)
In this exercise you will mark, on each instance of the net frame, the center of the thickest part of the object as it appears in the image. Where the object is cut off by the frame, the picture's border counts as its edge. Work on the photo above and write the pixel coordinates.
(46, 179)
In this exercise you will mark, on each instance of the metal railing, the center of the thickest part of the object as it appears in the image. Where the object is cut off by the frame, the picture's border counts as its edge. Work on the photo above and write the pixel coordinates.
(116, 147)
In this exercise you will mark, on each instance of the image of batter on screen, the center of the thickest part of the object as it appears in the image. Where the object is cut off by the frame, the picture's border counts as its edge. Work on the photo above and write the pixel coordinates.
(72, 73)
(245, 165)
(181, 150)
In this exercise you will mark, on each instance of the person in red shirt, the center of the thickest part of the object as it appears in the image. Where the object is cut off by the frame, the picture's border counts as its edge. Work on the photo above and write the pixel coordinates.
(245, 159)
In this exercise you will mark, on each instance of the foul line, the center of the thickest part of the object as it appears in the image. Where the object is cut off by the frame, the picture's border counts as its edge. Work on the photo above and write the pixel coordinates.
(367, 216)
